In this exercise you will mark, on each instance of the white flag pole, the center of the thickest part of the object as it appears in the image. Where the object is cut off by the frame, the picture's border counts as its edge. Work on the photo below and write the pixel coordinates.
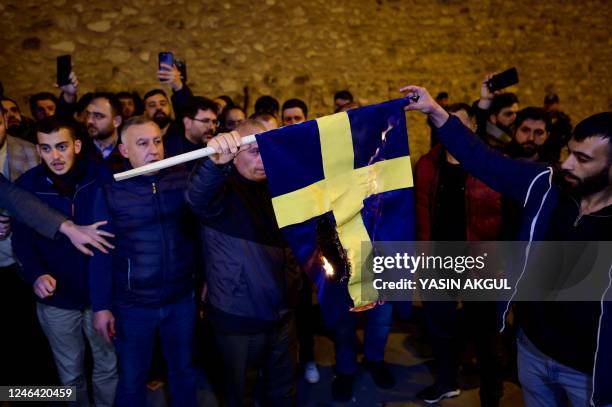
(179, 159)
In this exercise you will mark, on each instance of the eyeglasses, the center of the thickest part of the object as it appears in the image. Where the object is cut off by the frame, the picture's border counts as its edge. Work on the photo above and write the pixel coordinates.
(207, 121)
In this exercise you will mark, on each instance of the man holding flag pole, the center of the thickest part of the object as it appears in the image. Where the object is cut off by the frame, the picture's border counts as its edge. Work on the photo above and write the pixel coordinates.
(337, 184)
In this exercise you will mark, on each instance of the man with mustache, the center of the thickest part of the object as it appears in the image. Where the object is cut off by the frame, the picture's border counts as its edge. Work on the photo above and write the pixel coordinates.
(57, 271)
(199, 125)
(496, 112)
(530, 135)
(564, 348)
(157, 104)
(157, 108)
(103, 118)
(17, 124)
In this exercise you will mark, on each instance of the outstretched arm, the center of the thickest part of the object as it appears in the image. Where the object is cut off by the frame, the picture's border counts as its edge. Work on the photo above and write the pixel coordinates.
(505, 175)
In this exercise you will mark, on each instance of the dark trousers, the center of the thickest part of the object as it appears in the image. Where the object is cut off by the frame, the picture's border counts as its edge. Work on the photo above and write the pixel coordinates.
(269, 356)
(305, 321)
(25, 355)
(137, 328)
(480, 323)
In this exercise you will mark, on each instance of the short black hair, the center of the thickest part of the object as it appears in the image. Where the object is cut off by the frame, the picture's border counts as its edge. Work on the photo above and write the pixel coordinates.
(114, 102)
(83, 101)
(501, 101)
(291, 103)
(533, 113)
(599, 125)
(228, 109)
(37, 97)
(52, 124)
(196, 103)
(154, 92)
(442, 95)
(344, 94)
(551, 99)
(138, 104)
(267, 104)
(228, 100)
(455, 107)
(124, 94)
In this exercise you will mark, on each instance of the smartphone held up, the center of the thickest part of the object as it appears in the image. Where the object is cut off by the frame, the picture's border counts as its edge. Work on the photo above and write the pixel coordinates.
(64, 67)
(166, 58)
(503, 80)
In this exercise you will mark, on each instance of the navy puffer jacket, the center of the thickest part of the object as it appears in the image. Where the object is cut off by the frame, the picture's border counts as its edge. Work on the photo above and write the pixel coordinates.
(153, 262)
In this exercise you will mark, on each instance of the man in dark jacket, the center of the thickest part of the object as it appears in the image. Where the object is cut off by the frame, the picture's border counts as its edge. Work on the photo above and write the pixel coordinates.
(145, 288)
(69, 185)
(495, 115)
(452, 205)
(564, 348)
(197, 125)
(249, 271)
(103, 118)
(26, 208)
(16, 303)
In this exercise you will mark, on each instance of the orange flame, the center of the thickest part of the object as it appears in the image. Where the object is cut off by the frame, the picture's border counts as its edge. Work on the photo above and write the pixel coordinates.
(329, 269)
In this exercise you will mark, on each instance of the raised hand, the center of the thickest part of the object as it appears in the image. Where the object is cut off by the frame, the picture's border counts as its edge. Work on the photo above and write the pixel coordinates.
(226, 145)
(486, 96)
(170, 75)
(70, 90)
(420, 100)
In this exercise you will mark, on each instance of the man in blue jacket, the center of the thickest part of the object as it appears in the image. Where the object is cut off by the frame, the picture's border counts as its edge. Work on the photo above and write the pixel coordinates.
(145, 287)
(58, 272)
(564, 349)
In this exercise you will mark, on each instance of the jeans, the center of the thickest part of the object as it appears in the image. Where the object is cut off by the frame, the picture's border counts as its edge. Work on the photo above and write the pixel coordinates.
(375, 337)
(548, 383)
(137, 328)
(64, 329)
(268, 355)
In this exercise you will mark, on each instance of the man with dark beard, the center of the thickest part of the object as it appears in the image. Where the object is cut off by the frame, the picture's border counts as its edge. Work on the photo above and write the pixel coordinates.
(157, 108)
(156, 101)
(495, 115)
(103, 118)
(564, 348)
(17, 124)
(530, 136)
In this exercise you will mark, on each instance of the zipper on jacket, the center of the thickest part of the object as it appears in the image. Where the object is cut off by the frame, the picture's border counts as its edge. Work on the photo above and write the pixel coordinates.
(129, 274)
(577, 219)
(76, 191)
(160, 216)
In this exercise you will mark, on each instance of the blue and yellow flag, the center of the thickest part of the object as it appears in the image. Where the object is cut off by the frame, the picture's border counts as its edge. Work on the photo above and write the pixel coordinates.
(352, 170)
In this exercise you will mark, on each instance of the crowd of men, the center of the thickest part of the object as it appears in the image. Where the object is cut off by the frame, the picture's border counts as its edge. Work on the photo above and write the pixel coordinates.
(205, 232)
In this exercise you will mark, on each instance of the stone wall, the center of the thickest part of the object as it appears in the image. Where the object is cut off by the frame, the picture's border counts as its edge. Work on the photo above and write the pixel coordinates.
(311, 48)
